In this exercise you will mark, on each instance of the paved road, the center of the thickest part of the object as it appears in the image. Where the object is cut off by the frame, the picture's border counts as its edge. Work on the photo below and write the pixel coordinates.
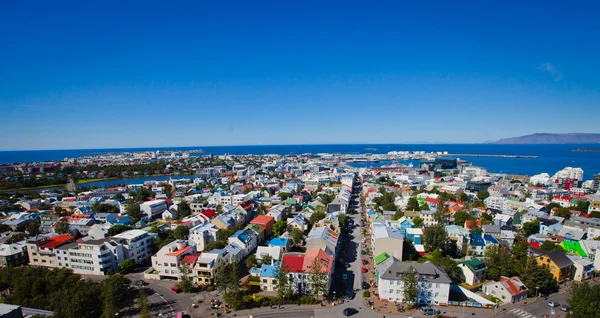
(534, 308)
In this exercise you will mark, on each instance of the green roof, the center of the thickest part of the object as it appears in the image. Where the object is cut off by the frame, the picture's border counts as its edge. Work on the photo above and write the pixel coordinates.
(381, 257)
(573, 248)
(291, 201)
(475, 265)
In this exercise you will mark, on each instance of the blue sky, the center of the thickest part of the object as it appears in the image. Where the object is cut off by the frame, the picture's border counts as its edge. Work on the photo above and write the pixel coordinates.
(114, 74)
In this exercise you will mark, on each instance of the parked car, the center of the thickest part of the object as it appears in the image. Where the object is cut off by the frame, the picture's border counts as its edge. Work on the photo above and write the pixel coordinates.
(344, 276)
(553, 304)
(565, 308)
(429, 311)
(364, 270)
(350, 311)
(363, 252)
(365, 262)
(139, 283)
(365, 285)
(176, 290)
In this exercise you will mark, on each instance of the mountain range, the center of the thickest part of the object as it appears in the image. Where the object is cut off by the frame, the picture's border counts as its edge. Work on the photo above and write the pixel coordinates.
(547, 138)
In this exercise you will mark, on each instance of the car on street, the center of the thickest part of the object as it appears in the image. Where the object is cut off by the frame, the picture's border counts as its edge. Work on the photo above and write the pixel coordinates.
(365, 261)
(364, 270)
(565, 308)
(363, 252)
(139, 283)
(365, 285)
(429, 311)
(344, 276)
(176, 290)
(350, 311)
(553, 304)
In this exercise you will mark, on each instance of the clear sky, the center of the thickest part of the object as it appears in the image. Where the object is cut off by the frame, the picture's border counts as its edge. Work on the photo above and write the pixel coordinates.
(125, 74)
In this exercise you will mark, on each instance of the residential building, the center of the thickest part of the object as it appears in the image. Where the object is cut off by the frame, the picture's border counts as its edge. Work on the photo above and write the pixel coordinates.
(480, 242)
(92, 257)
(387, 240)
(268, 276)
(208, 264)
(272, 251)
(322, 238)
(137, 244)
(266, 222)
(153, 209)
(40, 249)
(166, 261)
(584, 268)
(203, 234)
(433, 282)
(508, 289)
(14, 254)
(559, 265)
(474, 271)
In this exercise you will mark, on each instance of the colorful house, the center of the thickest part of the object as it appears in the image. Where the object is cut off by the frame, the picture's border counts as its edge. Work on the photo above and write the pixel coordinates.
(266, 222)
(559, 265)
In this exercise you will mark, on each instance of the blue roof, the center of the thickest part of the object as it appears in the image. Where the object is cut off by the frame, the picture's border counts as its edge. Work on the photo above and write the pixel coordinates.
(241, 234)
(277, 241)
(269, 270)
(371, 212)
(490, 239)
(477, 239)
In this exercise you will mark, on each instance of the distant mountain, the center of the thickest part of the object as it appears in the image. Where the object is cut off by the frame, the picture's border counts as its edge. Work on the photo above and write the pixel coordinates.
(544, 138)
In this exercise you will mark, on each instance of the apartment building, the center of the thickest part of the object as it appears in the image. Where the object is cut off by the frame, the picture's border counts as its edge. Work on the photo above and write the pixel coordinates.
(92, 257)
(137, 244)
(166, 261)
(203, 234)
(41, 249)
(153, 209)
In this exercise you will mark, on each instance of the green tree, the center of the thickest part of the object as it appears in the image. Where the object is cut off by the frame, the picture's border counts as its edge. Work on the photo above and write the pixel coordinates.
(530, 228)
(279, 227)
(133, 210)
(424, 207)
(417, 221)
(447, 264)
(117, 229)
(483, 194)
(282, 284)
(435, 238)
(127, 266)
(317, 278)
(185, 281)
(266, 259)
(341, 219)
(539, 276)
(463, 197)
(15, 237)
(250, 261)
(461, 216)
(183, 210)
(181, 232)
(143, 304)
(316, 217)
(114, 291)
(62, 226)
(297, 235)
(563, 212)
(585, 300)
(413, 205)
(550, 246)
(398, 215)
(410, 287)
(284, 196)
(498, 262)
(33, 229)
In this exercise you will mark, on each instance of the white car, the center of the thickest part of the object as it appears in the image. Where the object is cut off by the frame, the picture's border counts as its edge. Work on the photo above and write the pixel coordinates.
(553, 304)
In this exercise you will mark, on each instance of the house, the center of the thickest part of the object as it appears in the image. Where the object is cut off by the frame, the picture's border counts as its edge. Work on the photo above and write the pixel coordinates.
(40, 249)
(559, 265)
(434, 283)
(246, 239)
(268, 276)
(137, 244)
(509, 289)
(299, 269)
(152, 209)
(266, 222)
(208, 264)
(283, 243)
(203, 234)
(274, 252)
(298, 222)
(91, 257)
(166, 261)
(549, 226)
(492, 230)
(474, 271)
(584, 268)
(570, 233)
(503, 220)
(259, 231)
(322, 238)
(479, 243)
(14, 254)
(387, 240)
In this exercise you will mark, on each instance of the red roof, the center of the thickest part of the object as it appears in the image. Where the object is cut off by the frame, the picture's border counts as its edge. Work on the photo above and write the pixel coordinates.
(534, 244)
(57, 241)
(209, 213)
(431, 200)
(262, 219)
(468, 224)
(512, 285)
(191, 258)
(179, 252)
(293, 263)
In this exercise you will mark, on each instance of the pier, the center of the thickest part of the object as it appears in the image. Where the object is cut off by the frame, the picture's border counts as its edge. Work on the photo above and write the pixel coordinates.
(491, 156)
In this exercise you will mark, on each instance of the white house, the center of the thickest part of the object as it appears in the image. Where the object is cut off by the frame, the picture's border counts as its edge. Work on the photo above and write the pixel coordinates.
(508, 289)
(137, 244)
(203, 234)
(166, 261)
(152, 209)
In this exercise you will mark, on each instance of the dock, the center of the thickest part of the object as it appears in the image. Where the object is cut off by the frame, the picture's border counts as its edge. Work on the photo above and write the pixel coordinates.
(491, 156)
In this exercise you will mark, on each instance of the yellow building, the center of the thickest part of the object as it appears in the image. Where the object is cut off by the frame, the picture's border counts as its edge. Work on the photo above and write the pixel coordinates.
(559, 265)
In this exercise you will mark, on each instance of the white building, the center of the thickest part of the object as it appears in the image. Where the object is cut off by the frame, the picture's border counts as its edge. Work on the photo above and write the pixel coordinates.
(542, 179)
(203, 234)
(153, 209)
(92, 257)
(166, 261)
(433, 285)
(494, 202)
(137, 244)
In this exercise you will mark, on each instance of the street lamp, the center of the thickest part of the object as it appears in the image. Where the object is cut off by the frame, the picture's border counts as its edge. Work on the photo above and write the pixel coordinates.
(536, 292)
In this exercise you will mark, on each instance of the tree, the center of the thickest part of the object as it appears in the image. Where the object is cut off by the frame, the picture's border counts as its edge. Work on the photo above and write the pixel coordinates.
(284, 196)
(118, 228)
(58, 210)
(181, 232)
(297, 235)
(550, 246)
(341, 219)
(539, 276)
(133, 210)
(530, 228)
(498, 262)
(441, 215)
(279, 227)
(461, 216)
(399, 214)
(463, 197)
(33, 229)
(183, 210)
(127, 266)
(447, 264)
(316, 217)
(435, 238)
(585, 300)
(185, 281)
(411, 289)
(282, 284)
(250, 261)
(563, 212)
(143, 304)
(413, 205)
(114, 291)
(62, 226)
(483, 194)
(417, 221)
(266, 259)
(318, 277)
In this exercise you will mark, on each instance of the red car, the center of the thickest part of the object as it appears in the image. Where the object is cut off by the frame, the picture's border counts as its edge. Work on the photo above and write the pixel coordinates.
(176, 290)
(364, 270)
(365, 262)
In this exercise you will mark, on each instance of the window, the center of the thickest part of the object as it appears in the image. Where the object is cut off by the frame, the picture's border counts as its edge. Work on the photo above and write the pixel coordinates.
(437, 285)
(391, 291)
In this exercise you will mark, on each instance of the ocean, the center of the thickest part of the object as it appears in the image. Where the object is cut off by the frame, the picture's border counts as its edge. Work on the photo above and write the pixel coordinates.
(551, 157)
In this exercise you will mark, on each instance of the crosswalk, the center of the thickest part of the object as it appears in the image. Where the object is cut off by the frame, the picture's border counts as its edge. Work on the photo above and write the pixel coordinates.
(521, 313)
